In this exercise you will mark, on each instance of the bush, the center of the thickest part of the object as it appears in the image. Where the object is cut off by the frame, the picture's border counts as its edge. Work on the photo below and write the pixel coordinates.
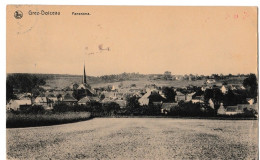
(110, 108)
(188, 109)
(33, 109)
(62, 107)
(249, 112)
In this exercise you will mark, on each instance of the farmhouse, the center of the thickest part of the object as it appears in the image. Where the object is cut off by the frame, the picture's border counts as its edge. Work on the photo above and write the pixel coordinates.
(180, 96)
(221, 110)
(110, 95)
(41, 101)
(18, 104)
(69, 99)
(189, 96)
(238, 109)
(198, 99)
(88, 99)
(24, 96)
(144, 100)
(151, 97)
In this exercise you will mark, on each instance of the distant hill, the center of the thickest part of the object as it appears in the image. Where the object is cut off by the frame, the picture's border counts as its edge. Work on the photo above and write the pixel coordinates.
(63, 80)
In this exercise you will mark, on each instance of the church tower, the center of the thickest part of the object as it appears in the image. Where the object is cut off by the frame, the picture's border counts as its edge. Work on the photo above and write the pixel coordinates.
(84, 76)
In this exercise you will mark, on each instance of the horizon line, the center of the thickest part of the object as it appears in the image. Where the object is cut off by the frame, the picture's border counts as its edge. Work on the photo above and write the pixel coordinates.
(131, 72)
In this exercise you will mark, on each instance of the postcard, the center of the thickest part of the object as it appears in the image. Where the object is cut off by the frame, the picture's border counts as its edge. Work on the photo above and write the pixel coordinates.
(131, 82)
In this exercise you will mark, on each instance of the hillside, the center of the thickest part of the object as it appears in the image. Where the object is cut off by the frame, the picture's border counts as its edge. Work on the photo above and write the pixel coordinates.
(126, 79)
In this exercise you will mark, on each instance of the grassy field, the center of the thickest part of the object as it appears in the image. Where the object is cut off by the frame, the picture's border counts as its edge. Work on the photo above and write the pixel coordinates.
(142, 82)
(137, 138)
(62, 82)
(30, 120)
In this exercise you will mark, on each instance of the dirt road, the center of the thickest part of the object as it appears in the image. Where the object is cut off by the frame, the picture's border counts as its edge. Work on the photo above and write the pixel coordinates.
(136, 138)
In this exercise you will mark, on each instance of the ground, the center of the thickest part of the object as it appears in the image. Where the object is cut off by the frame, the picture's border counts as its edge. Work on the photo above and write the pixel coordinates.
(137, 138)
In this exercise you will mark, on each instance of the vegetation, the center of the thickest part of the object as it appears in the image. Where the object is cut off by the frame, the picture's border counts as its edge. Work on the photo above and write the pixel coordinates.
(251, 85)
(189, 109)
(14, 120)
(169, 94)
(27, 83)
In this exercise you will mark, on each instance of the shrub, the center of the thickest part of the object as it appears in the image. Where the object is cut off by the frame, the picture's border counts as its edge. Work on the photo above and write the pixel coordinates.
(33, 109)
(62, 107)
(249, 112)
(187, 109)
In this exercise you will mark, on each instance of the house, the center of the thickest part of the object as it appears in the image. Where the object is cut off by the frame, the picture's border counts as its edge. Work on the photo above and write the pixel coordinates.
(224, 89)
(204, 87)
(237, 87)
(166, 107)
(189, 96)
(180, 96)
(232, 110)
(250, 100)
(113, 88)
(87, 99)
(110, 95)
(151, 97)
(18, 104)
(209, 81)
(155, 98)
(69, 99)
(198, 99)
(144, 100)
(211, 103)
(249, 106)
(24, 96)
(221, 110)
(41, 101)
(121, 103)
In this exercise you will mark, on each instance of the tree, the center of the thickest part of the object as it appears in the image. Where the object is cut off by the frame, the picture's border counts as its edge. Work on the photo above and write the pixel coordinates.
(251, 85)
(110, 108)
(169, 94)
(132, 103)
(23, 83)
(9, 91)
(215, 94)
(230, 98)
(208, 94)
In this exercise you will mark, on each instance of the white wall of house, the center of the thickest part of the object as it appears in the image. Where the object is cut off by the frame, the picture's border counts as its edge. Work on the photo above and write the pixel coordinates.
(143, 101)
(224, 90)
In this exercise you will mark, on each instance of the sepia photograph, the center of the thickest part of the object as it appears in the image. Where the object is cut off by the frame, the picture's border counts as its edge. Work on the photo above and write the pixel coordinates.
(131, 82)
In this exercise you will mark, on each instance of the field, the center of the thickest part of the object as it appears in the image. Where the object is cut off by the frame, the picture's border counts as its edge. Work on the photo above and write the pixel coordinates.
(29, 120)
(60, 81)
(137, 138)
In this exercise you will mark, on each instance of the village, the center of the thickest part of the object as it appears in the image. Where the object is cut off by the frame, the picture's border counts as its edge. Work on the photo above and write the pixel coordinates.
(225, 99)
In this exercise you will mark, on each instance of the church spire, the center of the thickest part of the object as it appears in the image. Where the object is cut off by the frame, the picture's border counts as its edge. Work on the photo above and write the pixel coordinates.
(84, 75)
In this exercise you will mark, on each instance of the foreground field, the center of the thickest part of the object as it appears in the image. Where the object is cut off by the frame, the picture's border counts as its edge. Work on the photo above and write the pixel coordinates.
(137, 138)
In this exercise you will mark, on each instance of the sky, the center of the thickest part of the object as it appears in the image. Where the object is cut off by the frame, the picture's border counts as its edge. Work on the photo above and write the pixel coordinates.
(148, 40)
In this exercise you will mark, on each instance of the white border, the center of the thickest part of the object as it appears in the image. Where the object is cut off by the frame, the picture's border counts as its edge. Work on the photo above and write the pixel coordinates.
(3, 4)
